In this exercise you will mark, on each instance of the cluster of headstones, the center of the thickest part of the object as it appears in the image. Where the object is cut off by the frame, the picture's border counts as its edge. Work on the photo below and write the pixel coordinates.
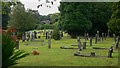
(29, 36)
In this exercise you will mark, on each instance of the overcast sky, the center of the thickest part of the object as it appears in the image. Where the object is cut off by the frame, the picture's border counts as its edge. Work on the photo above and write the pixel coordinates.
(32, 4)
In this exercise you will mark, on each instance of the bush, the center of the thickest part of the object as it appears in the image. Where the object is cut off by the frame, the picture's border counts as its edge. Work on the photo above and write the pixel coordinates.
(56, 34)
(9, 54)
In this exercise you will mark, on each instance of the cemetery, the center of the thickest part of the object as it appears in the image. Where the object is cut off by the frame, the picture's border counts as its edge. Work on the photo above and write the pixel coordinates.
(76, 34)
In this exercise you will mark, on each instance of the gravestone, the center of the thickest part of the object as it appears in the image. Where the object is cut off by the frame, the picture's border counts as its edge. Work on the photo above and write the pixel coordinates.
(35, 33)
(17, 44)
(114, 37)
(23, 37)
(32, 36)
(46, 35)
(79, 44)
(108, 34)
(117, 43)
(92, 54)
(97, 34)
(49, 42)
(105, 36)
(90, 41)
(95, 38)
(87, 36)
(102, 36)
(84, 45)
(110, 52)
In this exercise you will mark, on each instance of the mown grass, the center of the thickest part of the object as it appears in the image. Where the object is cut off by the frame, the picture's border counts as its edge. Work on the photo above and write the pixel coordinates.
(65, 57)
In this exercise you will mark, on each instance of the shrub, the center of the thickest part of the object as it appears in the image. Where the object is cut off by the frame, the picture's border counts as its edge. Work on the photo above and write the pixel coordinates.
(56, 34)
(9, 54)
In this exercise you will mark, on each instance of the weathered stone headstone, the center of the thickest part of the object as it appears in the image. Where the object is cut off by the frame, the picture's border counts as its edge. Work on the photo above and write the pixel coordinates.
(110, 52)
(95, 38)
(32, 36)
(108, 34)
(92, 54)
(46, 35)
(87, 36)
(23, 38)
(102, 36)
(114, 37)
(117, 44)
(84, 45)
(90, 41)
(79, 44)
(49, 42)
(98, 34)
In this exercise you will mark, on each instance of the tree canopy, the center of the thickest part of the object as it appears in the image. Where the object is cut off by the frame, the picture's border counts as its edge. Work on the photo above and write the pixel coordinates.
(22, 19)
(114, 22)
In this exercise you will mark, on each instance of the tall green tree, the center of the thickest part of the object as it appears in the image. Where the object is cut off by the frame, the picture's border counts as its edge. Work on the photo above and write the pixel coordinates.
(80, 17)
(22, 19)
(73, 19)
(5, 13)
(114, 22)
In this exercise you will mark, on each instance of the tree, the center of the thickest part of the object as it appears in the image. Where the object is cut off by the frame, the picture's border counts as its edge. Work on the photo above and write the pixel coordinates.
(5, 13)
(77, 18)
(114, 22)
(22, 19)
(73, 19)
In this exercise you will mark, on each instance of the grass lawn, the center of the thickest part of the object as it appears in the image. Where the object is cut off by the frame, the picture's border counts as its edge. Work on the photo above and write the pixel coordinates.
(65, 57)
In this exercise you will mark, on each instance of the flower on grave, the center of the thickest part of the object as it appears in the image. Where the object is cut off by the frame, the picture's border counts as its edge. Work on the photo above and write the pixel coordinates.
(35, 52)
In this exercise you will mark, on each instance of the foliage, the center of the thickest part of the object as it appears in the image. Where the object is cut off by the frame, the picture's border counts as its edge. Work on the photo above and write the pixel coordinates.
(5, 13)
(114, 22)
(56, 34)
(54, 17)
(22, 19)
(79, 17)
(9, 54)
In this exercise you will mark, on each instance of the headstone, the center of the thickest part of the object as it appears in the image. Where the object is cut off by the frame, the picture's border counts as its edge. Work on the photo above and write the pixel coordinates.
(114, 37)
(46, 35)
(108, 33)
(49, 42)
(98, 34)
(96, 39)
(84, 45)
(79, 44)
(17, 44)
(117, 44)
(102, 36)
(35, 33)
(87, 36)
(90, 41)
(32, 36)
(23, 38)
(110, 52)
(92, 54)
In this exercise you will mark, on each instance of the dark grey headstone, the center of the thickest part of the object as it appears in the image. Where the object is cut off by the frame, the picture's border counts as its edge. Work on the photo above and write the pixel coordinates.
(79, 44)
(84, 45)
(49, 42)
(110, 52)
(96, 39)
(90, 41)
(92, 54)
